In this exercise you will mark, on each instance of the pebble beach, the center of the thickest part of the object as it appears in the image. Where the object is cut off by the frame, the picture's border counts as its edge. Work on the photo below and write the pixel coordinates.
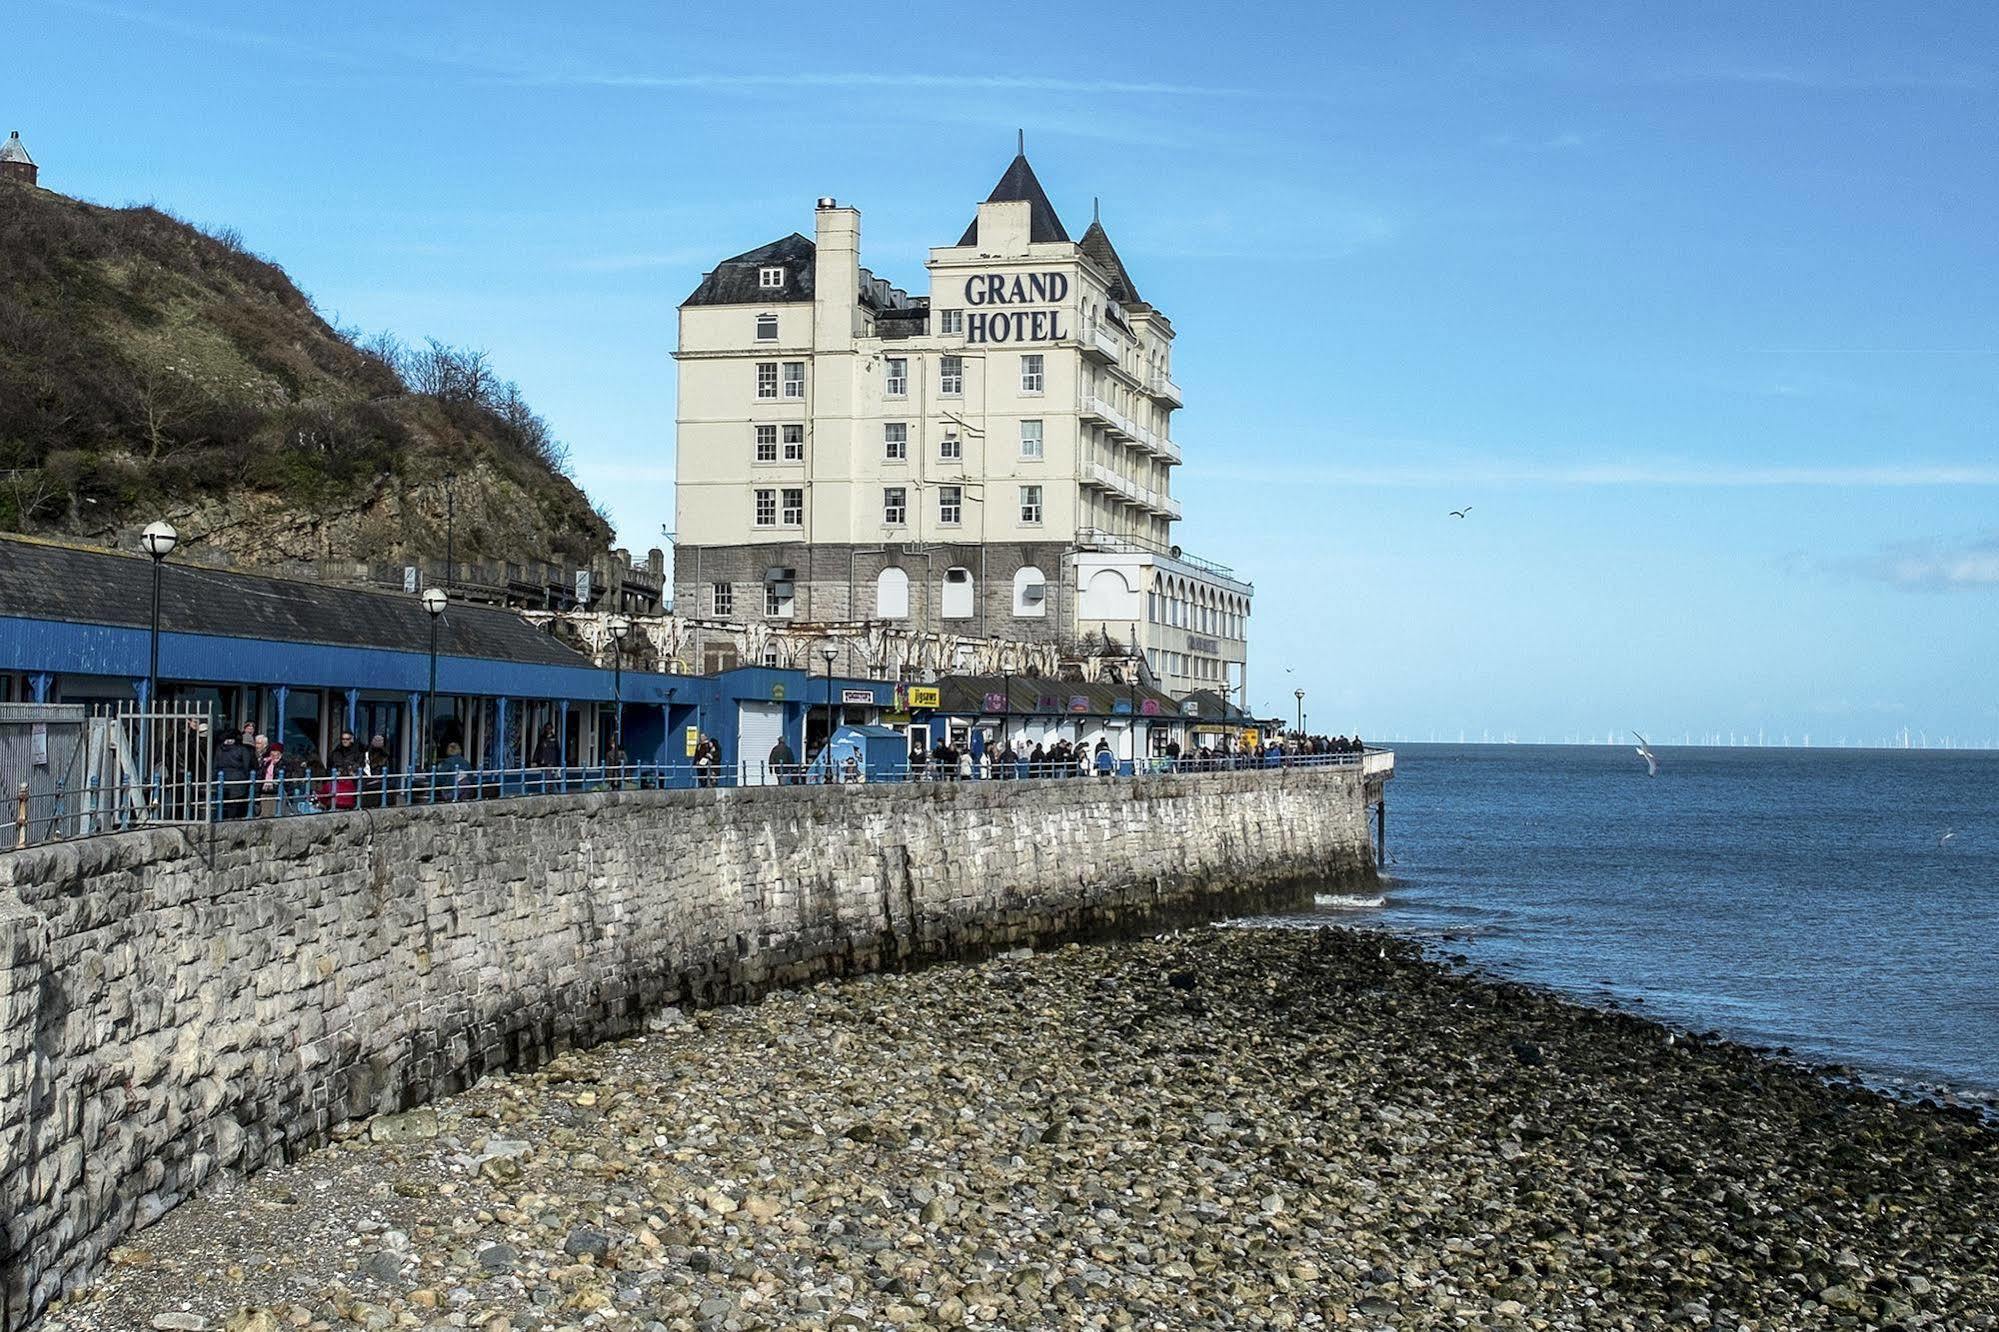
(1224, 1128)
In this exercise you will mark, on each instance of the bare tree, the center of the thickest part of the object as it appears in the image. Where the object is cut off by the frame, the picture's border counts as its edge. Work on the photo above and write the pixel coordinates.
(168, 401)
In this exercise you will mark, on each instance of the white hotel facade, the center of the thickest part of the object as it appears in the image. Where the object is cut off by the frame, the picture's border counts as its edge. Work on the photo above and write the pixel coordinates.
(992, 462)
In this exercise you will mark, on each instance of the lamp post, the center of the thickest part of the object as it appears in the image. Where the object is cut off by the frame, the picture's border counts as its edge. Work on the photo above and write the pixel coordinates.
(827, 653)
(159, 539)
(617, 627)
(1300, 695)
(434, 601)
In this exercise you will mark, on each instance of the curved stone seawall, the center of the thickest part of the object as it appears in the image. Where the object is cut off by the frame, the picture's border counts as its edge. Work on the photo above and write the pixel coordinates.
(172, 1006)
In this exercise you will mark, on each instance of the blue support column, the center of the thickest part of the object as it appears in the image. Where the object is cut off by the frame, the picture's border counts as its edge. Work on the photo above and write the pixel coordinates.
(39, 685)
(562, 741)
(497, 754)
(142, 691)
(353, 707)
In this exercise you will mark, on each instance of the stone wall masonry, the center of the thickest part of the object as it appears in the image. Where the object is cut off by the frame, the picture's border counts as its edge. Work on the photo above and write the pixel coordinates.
(174, 1007)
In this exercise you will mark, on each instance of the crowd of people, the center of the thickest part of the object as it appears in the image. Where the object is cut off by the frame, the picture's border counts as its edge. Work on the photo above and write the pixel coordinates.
(258, 776)
(981, 759)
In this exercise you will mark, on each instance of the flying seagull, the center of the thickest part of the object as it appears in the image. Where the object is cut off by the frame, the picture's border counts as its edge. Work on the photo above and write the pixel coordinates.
(1459, 513)
(1946, 837)
(1651, 759)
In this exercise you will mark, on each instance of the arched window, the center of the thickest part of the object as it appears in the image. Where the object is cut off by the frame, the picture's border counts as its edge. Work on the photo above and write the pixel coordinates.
(958, 594)
(766, 328)
(1030, 594)
(892, 595)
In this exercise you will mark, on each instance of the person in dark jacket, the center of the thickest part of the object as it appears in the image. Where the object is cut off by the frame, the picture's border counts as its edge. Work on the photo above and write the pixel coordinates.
(235, 768)
(547, 756)
(346, 757)
(783, 762)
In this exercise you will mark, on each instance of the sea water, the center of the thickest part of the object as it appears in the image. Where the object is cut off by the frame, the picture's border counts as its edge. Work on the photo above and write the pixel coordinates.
(1798, 898)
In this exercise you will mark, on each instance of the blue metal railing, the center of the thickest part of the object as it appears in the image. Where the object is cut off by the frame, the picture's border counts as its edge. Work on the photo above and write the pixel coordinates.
(62, 815)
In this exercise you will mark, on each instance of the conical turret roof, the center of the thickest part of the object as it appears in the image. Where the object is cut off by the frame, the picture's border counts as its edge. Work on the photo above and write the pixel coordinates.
(1096, 243)
(1019, 184)
(13, 150)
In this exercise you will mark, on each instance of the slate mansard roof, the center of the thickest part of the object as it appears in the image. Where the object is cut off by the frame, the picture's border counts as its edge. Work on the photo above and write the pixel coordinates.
(42, 580)
(738, 281)
(1020, 185)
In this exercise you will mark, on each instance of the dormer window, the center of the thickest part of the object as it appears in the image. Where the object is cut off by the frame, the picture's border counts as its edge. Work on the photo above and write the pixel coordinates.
(771, 279)
(767, 327)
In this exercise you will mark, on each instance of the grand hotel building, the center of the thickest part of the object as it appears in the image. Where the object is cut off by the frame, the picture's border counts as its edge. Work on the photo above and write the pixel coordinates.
(993, 461)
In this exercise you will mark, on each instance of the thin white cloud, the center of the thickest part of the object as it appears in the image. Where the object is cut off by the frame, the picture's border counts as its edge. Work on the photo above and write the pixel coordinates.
(873, 79)
(1635, 475)
(1937, 565)
(631, 263)
(1879, 351)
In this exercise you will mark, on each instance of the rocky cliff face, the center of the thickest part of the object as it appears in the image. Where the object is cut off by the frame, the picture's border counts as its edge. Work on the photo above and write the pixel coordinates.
(148, 369)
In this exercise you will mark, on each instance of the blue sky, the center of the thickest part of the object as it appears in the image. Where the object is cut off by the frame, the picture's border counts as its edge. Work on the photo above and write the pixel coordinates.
(1696, 305)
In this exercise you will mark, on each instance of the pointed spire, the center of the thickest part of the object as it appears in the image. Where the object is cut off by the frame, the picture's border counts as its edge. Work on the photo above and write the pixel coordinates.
(1020, 143)
(1096, 211)
(1020, 185)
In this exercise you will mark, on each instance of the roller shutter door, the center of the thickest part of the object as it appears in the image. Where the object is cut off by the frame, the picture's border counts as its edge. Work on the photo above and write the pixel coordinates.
(758, 728)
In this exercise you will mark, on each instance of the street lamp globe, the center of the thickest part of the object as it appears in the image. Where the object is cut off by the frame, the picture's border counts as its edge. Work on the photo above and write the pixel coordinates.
(617, 627)
(159, 539)
(435, 601)
(829, 653)
(1299, 694)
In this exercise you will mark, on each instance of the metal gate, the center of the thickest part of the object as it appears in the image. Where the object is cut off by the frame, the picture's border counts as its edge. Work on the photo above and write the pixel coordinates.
(73, 772)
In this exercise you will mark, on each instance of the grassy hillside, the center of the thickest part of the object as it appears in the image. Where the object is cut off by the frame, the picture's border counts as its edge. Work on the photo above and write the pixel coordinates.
(149, 369)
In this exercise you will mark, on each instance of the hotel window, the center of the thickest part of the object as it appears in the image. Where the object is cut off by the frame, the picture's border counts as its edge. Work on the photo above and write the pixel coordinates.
(766, 328)
(950, 448)
(951, 376)
(770, 279)
(766, 443)
(793, 512)
(895, 441)
(950, 321)
(766, 508)
(897, 376)
(722, 599)
(1030, 439)
(1030, 373)
(950, 505)
(794, 379)
(1030, 505)
(794, 443)
(766, 379)
(895, 506)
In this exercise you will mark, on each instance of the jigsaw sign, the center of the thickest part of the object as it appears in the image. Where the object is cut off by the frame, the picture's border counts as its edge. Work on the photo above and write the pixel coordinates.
(986, 324)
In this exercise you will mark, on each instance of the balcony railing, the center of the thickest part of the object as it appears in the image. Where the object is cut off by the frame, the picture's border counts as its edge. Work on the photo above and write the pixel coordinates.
(1164, 389)
(1102, 343)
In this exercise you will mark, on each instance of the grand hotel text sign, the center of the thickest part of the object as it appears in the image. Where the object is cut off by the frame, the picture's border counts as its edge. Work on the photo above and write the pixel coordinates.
(984, 290)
